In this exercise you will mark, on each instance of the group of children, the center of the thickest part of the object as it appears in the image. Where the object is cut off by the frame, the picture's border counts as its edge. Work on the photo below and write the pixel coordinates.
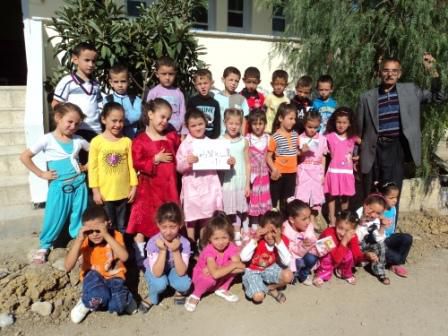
(256, 218)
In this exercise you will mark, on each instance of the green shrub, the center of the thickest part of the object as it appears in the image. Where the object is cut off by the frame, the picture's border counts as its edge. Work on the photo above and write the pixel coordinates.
(162, 28)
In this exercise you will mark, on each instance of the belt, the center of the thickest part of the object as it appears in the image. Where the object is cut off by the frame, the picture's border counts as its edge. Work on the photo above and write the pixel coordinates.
(383, 139)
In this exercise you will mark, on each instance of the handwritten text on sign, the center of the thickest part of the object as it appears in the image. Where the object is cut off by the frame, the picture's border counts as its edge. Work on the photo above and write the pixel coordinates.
(212, 154)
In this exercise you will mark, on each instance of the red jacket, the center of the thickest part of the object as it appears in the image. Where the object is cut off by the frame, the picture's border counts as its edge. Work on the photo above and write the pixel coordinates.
(340, 250)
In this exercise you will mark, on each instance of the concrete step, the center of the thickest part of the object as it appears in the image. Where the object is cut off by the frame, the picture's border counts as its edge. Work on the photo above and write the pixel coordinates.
(12, 117)
(10, 164)
(12, 136)
(19, 220)
(14, 190)
(12, 96)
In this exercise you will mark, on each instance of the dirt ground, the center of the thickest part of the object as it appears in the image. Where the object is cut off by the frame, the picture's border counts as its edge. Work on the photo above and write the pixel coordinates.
(409, 306)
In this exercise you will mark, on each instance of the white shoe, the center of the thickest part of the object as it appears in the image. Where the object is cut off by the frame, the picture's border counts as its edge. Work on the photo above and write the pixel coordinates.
(226, 295)
(308, 281)
(191, 303)
(79, 312)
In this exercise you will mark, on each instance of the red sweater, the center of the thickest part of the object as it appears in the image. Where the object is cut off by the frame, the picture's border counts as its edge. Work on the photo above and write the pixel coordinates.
(340, 250)
(263, 258)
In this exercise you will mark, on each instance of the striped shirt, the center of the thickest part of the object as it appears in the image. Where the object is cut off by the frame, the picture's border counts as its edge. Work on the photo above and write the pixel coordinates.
(86, 94)
(285, 148)
(388, 113)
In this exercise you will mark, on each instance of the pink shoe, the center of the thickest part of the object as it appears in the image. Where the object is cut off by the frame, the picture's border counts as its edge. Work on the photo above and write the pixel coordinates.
(399, 270)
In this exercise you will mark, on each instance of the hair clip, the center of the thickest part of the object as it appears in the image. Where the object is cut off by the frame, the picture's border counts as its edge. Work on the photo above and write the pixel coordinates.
(389, 184)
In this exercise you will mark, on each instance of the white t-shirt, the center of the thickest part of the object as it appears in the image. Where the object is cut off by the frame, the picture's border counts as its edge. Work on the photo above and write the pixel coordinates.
(85, 94)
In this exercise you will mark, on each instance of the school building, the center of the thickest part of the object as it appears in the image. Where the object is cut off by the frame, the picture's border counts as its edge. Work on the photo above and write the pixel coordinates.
(228, 29)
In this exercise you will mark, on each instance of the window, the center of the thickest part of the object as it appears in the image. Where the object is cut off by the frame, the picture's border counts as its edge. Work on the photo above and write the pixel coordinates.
(235, 13)
(239, 15)
(278, 18)
(200, 18)
(132, 6)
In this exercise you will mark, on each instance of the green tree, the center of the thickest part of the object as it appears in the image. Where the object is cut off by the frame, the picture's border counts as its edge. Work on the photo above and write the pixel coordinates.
(162, 28)
(346, 39)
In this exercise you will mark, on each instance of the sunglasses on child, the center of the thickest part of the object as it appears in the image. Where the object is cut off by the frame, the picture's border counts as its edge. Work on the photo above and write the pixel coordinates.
(88, 232)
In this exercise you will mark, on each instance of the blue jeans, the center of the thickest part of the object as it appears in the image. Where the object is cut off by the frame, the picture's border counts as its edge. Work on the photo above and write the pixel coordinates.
(398, 246)
(157, 285)
(105, 294)
(304, 266)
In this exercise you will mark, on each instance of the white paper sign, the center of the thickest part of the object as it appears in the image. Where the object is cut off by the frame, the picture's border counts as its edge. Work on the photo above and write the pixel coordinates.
(212, 154)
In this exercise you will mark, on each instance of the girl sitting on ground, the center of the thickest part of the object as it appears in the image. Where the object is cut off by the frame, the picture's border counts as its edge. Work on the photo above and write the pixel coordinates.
(299, 229)
(346, 252)
(168, 255)
(398, 245)
(218, 262)
(371, 233)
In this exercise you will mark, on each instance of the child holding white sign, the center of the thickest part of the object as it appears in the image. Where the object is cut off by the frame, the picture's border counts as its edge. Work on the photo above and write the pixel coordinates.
(236, 181)
(201, 191)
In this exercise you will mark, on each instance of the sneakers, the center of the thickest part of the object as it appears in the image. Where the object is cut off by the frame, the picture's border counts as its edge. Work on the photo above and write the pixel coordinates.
(191, 303)
(308, 281)
(132, 307)
(79, 312)
(226, 295)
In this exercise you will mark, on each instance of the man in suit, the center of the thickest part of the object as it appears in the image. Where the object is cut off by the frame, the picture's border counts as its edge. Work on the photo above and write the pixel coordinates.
(389, 123)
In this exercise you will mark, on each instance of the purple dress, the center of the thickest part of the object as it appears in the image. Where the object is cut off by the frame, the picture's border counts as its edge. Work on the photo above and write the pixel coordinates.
(340, 180)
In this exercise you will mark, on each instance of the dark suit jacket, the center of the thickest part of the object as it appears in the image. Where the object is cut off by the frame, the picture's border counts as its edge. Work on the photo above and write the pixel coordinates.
(410, 98)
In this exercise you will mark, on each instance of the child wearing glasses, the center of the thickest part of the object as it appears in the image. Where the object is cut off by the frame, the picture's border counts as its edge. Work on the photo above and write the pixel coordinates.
(102, 255)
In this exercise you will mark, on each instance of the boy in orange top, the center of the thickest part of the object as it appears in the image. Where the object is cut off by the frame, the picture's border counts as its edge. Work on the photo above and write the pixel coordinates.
(102, 255)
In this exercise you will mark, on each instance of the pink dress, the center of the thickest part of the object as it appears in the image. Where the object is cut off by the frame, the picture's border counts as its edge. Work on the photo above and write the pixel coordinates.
(204, 283)
(260, 195)
(310, 171)
(201, 191)
(340, 180)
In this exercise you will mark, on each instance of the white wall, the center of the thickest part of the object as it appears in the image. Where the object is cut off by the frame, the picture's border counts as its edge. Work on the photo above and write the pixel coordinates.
(241, 51)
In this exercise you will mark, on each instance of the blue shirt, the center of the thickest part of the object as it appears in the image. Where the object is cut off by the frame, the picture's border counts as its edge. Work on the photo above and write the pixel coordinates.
(64, 168)
(132, 112)
(326, 109)
(234, 101)
(392, 215)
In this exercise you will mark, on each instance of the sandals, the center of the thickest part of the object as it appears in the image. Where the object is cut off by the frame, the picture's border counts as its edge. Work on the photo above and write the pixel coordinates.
(399, 270)
(384, 280)
(318, 282)
(144, 306)
(40, 257)
(226, 295)
(279, 297)
(179, 299)
(191, 303)
(351, 280)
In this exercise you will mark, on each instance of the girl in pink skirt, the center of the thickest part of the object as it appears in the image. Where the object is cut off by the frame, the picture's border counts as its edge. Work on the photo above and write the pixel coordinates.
(311, 168)
(201, 193)
(341, 139)
(260, 195)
